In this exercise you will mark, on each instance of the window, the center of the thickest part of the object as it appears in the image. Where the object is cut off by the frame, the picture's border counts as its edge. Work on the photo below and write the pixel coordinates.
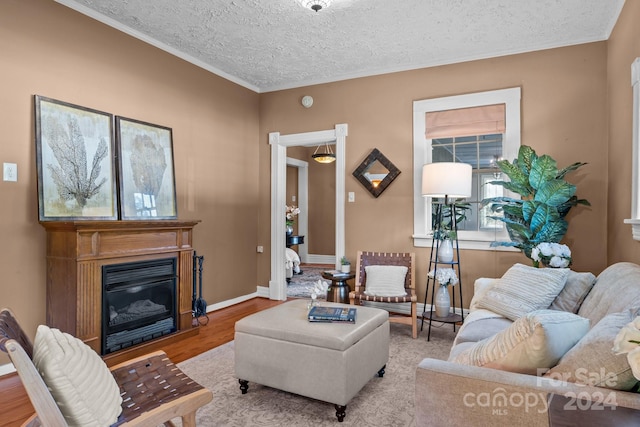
(451, 139)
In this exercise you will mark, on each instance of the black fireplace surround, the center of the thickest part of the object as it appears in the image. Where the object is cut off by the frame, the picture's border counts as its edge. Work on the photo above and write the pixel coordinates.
(138, 302)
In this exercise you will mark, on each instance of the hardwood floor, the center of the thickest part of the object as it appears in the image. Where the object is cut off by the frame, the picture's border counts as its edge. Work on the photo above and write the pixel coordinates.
(15, 406)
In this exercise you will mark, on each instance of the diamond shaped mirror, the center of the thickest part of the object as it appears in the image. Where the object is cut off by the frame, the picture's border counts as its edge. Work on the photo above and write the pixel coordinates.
(376, 172)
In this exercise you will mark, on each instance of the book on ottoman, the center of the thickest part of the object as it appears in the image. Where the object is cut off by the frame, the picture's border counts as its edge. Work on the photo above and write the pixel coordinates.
(332, 314)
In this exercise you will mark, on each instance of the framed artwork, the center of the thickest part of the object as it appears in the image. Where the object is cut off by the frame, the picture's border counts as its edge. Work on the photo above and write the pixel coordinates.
(75, 162)
(146, 174)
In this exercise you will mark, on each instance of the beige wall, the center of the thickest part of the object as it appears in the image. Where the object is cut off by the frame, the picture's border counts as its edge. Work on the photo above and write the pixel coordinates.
(623, 49)
(322, 207)
(50, 50)
(563, 114)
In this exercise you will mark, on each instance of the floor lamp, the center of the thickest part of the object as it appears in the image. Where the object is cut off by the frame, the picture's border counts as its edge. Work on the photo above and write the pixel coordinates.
(444, 180)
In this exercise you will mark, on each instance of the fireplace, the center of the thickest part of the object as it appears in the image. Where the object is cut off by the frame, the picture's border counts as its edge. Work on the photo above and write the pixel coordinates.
(138, 302)
(80, 252)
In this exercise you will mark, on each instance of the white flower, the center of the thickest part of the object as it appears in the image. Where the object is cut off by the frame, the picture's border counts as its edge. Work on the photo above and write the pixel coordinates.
(552, 254)
(628, 341)
(292, 212)
(446, 276)
(319, 288)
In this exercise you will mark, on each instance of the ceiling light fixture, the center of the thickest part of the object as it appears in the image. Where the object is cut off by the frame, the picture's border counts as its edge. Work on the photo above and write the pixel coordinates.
(315, 5)
(327, 157)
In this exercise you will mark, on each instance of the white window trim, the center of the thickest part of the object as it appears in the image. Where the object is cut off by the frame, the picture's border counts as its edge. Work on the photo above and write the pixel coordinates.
(635, 185)
(422, 232)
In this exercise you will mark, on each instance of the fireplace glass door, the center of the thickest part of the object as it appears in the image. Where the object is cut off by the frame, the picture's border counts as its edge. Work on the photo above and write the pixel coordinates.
(138, 302)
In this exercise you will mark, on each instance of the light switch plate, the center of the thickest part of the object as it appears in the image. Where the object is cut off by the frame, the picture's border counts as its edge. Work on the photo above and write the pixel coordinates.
(352, 196)
(10, 172)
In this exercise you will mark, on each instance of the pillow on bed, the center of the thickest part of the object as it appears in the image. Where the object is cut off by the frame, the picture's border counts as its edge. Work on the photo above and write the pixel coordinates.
(385, 280)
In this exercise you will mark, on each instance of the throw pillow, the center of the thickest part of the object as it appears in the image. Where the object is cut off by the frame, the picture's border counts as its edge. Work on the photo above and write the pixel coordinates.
(535, 341)
(574, 292)
(79, 380)
(523, 289)
(385, 280)
(592, 361)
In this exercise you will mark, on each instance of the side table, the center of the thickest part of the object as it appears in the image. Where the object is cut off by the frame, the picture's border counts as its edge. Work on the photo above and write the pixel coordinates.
(339, 289)
(294, 240)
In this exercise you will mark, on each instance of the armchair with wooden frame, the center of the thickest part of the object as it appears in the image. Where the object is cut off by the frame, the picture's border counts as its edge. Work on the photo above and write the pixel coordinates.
(359, 295)
(153, 389)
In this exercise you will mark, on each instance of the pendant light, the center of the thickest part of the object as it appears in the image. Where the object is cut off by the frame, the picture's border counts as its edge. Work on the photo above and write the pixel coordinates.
(315, 5)
(327, 157)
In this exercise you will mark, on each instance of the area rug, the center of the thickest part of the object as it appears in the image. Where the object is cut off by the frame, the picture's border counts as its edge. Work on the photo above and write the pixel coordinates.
(301, 285)
(386, 401)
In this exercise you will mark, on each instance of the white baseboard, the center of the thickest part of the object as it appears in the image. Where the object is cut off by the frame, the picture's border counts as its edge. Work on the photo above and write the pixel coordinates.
(263, 291)
(230, 302)
(7, 369)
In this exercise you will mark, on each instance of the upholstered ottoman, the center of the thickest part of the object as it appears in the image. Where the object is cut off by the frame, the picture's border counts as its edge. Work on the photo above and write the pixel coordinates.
(331, 362)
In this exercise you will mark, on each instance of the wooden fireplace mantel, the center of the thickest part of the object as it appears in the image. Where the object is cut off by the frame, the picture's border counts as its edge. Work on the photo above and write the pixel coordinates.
(77, 251)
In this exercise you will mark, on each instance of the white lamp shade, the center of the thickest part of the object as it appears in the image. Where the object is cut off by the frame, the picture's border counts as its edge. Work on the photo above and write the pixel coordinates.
(446, 179)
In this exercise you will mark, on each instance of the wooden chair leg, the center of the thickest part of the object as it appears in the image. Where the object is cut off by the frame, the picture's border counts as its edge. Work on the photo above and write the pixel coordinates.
(189, 420)
(414, 320)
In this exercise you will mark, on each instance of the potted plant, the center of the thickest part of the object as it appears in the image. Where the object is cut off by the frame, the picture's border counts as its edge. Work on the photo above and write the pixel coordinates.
(345, 265)
(538, 216)
(446, 231)
(446, 277)
(291, 213)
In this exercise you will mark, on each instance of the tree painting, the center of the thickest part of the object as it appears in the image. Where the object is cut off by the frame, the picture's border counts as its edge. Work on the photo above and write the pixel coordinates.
(148, 165)
(147, 185)
(75, 162)
(71, 174)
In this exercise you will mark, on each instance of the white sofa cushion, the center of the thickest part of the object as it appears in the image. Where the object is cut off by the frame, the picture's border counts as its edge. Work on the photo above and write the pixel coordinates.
(574, 292)
(523, 289)
(592, 361)
(385, 280)
(79, 380)
(480, 287)
(535, 341)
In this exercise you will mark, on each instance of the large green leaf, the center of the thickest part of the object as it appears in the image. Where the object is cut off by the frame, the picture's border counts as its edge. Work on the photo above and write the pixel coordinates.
(502, 199)
(514, 212)
(564, 208)
(515, 187)
(543, 169)
(552, 232)
(555, 192)
(518, 183)
(528, 209)
(526, 157)
(496, 243)
(539, 218)
(568, 169)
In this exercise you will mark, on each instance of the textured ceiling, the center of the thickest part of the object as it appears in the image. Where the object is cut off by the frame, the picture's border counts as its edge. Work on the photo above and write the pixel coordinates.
(268, 45)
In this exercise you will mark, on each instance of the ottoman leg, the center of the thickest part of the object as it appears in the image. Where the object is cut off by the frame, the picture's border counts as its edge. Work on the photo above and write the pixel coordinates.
(340, 412)
(381, 371)
(244, 386)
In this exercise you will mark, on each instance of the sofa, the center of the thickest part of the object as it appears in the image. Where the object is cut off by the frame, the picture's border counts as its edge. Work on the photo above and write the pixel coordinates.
(518, 360)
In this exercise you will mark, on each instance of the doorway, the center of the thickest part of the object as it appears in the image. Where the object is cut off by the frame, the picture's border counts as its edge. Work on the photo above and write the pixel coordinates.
(302, 177)
(279, 144)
